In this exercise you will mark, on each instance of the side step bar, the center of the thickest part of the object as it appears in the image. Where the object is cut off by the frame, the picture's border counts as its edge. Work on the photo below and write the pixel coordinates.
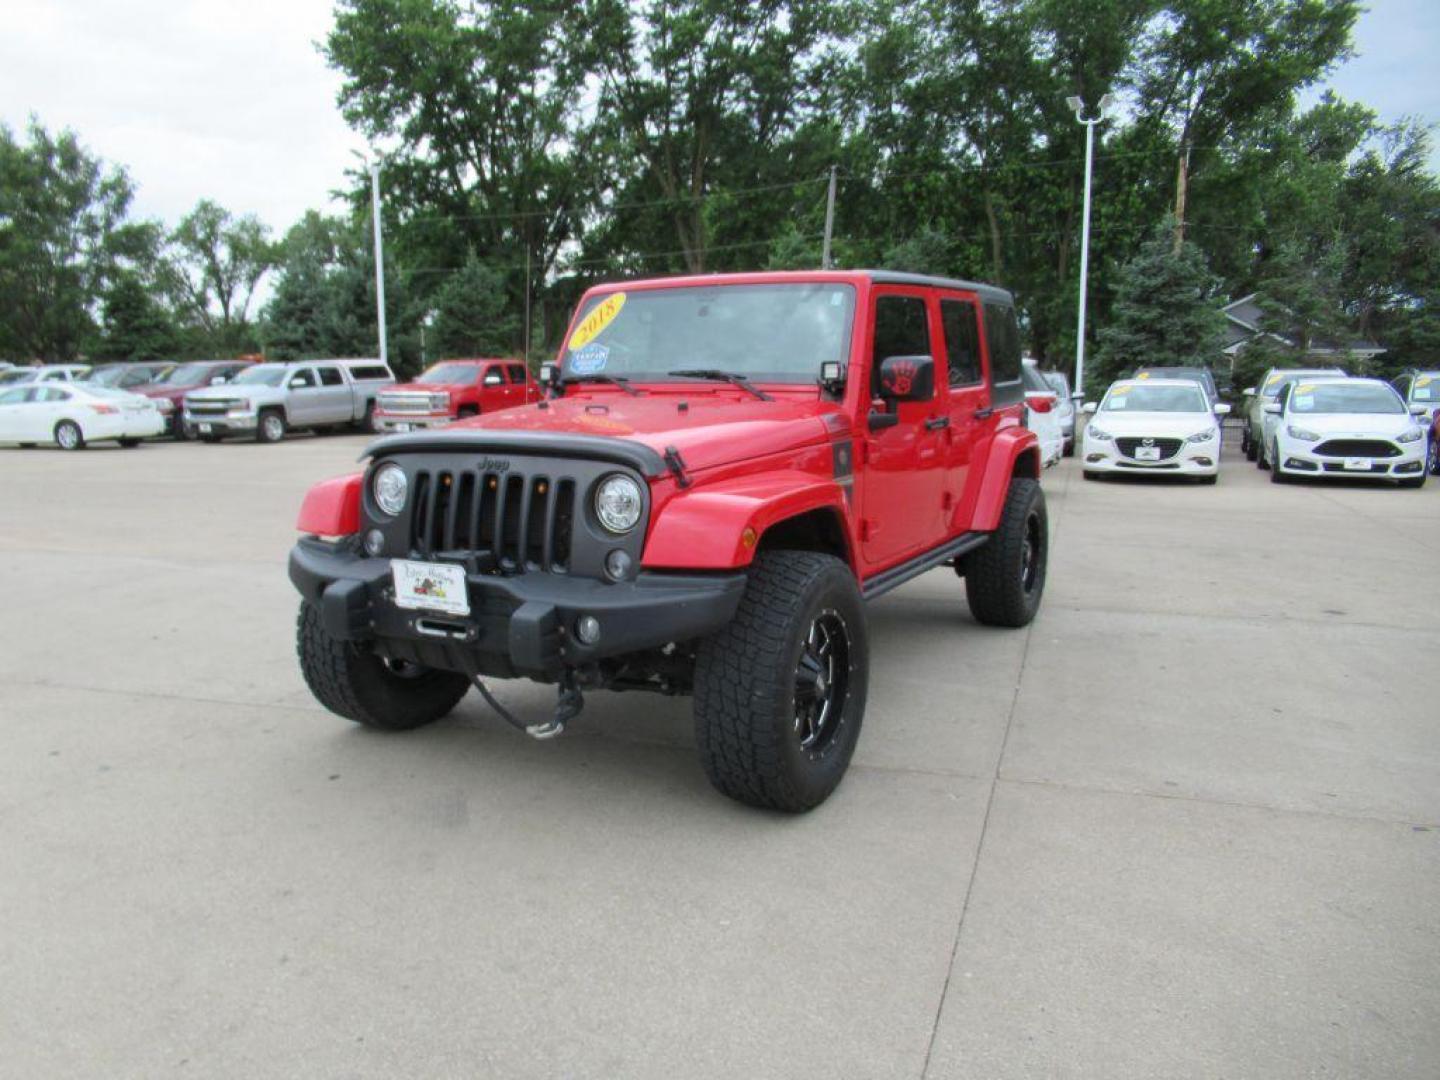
(896, 576)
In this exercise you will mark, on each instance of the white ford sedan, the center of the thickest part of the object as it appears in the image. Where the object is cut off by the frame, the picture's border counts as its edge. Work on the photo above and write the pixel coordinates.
(1163, 426)
(1344, 428)
(72, 414)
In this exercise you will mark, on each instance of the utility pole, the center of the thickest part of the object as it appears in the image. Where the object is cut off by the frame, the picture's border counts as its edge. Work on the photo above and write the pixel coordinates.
(825, 261)
(374, 167)
(1079, 107)
(527, 302)
(1182, 183)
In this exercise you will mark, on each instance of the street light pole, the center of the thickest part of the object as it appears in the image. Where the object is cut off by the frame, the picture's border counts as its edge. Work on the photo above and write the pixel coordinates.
(1079, 107)
(374, 167)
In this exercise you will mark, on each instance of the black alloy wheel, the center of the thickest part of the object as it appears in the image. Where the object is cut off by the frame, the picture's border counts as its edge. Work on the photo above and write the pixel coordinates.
(822, 680)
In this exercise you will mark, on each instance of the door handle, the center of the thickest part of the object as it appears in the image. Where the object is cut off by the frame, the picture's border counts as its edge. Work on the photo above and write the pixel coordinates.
(935, 423)
(985, 413)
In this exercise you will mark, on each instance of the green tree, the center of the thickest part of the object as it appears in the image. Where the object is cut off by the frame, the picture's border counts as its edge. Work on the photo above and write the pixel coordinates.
(133, 324)
(216, 261)
(63, 228)
(1166, 311)
(473, 316)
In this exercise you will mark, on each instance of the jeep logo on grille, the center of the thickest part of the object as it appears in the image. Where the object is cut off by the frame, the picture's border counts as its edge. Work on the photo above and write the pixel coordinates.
(491, 464)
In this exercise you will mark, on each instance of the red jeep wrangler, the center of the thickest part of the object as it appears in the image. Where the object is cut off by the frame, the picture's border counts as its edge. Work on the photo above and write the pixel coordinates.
(454, 390)
(725, 469)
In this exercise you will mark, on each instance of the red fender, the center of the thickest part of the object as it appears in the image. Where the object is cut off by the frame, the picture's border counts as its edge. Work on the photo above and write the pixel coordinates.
(332, 507)
(1008, 457)
(704, 529)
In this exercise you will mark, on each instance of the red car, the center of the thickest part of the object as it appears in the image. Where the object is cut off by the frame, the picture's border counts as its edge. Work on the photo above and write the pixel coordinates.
(169, 391)
(727, 469)
(455, 390)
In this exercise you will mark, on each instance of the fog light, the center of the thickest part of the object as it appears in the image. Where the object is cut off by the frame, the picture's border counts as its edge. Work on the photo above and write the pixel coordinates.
(1204, 461)
(587, 629)
(374, 542)
(617, 564)
(1092, 458)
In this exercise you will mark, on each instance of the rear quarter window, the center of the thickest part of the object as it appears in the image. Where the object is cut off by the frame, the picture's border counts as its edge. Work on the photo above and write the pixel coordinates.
(370, 373)
(1002, 339)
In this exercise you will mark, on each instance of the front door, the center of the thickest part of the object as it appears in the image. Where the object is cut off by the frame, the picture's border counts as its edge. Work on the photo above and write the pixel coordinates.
(302, 397)
(901, 510)
(336, 400)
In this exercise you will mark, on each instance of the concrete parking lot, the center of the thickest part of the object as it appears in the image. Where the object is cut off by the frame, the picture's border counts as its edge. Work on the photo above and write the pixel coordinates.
(1186, 825)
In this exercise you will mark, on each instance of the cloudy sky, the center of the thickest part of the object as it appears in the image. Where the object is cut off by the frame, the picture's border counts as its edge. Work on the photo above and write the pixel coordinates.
(229, 99)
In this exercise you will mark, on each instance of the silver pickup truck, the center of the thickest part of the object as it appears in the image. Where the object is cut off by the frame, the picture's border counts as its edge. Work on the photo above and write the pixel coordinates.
(267, 400)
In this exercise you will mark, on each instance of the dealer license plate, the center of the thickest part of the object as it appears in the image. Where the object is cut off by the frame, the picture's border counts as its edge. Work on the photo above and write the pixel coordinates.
(425, 586)
(402, 427)
(205, 429)
(1357, 464)
(1147, 453)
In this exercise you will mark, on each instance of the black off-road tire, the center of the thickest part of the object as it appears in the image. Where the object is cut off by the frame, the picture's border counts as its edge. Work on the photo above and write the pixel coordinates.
(747, 723)
(68, 435)
(1005, 579)
(270, 426)
(354, 683)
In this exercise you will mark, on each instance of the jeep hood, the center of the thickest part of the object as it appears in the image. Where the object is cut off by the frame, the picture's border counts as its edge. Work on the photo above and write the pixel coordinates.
(712, 429)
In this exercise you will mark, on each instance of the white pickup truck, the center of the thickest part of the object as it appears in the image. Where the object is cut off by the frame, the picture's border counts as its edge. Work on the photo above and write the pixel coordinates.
(267, 400)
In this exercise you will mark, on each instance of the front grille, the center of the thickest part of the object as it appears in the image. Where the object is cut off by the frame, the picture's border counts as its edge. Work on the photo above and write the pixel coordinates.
(1168, 447)
(210, 407)
(1371, 448)
(509, 522)
(405, 403)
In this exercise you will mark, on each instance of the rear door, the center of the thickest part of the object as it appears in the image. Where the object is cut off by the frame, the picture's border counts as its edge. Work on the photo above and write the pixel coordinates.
(967, 400)
(518, 386)
(905, 465)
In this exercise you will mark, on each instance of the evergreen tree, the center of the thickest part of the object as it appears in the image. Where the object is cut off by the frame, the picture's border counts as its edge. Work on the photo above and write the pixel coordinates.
(133, 325)
(1166, 311)
(473, 316)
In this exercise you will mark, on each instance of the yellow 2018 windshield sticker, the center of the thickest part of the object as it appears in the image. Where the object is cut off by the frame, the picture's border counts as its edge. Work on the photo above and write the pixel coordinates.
(1274, 379)
(1308, 388)
(1121, 390)
(598, 319)
(1424, 380)
(1143, 375)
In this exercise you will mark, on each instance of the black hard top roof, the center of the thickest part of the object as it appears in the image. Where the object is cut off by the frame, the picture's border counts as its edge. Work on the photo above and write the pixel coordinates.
(897, 277)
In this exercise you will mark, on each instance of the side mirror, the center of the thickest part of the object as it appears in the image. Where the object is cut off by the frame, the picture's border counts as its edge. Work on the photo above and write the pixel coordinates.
(492, 378)
(549, 374)
(907, 378)
(1090, 408)
(832, 377)
(1274, 408)
(1077, 396)
(297, 383)
(1249, 391)
(218, 380)
(1419, 409)
(1221, 409)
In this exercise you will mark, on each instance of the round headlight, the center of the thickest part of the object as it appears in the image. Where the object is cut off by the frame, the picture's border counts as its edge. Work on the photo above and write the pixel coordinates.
(390, 488)
(617, 503)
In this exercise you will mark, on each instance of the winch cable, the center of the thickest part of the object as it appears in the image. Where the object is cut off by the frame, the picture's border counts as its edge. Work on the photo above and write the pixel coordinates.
(567, 707)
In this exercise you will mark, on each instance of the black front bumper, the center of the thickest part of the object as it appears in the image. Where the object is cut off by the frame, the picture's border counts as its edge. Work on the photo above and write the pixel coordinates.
(518, 625)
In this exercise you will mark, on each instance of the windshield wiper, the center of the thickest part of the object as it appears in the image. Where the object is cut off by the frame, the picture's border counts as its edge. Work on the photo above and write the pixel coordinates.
(722, 376)
(615, 380)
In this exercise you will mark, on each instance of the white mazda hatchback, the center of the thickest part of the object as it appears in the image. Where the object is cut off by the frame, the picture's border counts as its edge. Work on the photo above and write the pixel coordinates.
(1165, 426)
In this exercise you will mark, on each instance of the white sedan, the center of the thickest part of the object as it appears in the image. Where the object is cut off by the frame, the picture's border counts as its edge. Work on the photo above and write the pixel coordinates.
(1344, 428)
(71, 415)
(1165, 426)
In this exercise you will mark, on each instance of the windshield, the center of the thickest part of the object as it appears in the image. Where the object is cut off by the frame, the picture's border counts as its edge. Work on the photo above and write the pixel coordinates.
(260, 375)
(106, 376)
(1426, 388)
(19, 375)
(1167, 399)
(186, 375)
(774, 333)
(1277, 379)
(450, 373)
(1341, 397)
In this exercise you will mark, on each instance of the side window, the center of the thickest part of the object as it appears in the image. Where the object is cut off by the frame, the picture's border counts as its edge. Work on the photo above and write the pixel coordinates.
(364, 372)
(493, 376)
(902, 328)
(962, 341)
(301, 378)
(517, 374)
(1002, 335)
(52, 394)
(18, 396)
(330, 376)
